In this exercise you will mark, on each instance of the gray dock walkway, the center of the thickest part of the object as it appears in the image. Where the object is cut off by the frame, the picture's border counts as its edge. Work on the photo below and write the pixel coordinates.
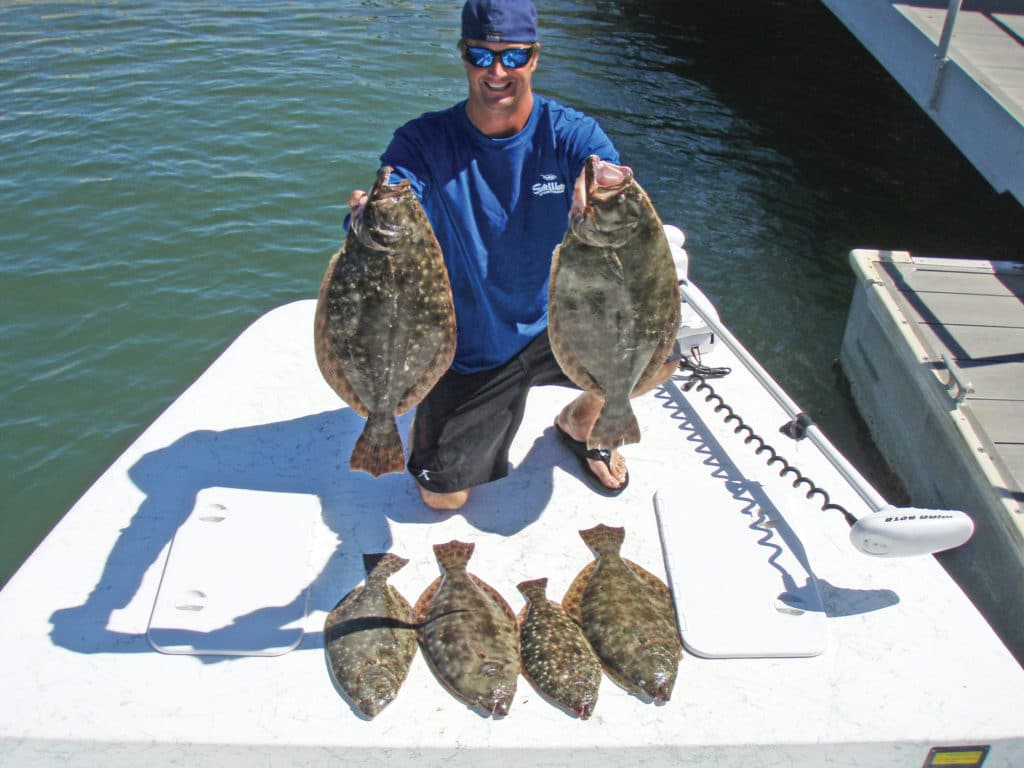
(971, 85)
(934, 352)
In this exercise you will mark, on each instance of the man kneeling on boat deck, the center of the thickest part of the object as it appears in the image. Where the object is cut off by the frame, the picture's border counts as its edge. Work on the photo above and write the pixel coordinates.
(505, 160)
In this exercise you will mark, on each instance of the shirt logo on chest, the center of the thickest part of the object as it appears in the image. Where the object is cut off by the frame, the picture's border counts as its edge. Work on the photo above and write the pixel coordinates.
(548, 185)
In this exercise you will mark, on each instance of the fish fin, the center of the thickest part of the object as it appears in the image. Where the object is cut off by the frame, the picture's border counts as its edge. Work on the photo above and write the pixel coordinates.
(653, 371)
(383, 564)
(434, 370)
(534, 589)
(574, 595)
(379, 448)
(342, 606)
(326, 348)
(420, 609)
(495, 595)
(659, 589)
(604, 539)
(614, 426)
(453, 554)
(535, 592)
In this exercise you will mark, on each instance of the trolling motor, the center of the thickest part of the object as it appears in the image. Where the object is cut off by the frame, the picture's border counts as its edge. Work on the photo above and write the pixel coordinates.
(887, 531)
(894, 532)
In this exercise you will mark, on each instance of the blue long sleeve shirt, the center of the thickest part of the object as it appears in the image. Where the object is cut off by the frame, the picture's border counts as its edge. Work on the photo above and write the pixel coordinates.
(498, 208)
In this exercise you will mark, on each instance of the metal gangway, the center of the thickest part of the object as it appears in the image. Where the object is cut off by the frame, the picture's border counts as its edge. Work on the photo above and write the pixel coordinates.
(962, 61)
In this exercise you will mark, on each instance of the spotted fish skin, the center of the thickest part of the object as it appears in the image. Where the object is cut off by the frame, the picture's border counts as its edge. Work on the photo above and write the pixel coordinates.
(557, 658)
(370, 637)
(468, 634)
(384, 330)
(629, 621)
(613, 298)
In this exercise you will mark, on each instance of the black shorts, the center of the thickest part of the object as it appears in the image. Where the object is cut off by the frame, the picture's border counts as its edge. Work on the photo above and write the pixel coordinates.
(464, 427)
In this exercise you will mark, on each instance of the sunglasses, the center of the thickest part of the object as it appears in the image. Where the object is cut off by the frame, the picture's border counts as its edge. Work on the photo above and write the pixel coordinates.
(511, 58)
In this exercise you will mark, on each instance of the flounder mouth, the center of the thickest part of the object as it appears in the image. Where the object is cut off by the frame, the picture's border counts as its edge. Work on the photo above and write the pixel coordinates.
(605, 180)
(499, 708)
(582, 711)
(602, 183)
(383, 188)
(374, 230)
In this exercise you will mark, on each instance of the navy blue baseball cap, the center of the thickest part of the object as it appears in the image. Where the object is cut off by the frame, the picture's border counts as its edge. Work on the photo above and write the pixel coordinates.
(499, 21)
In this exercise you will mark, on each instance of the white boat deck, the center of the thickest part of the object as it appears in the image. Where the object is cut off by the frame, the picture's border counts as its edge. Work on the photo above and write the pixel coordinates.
(900, 661)
(977, 96)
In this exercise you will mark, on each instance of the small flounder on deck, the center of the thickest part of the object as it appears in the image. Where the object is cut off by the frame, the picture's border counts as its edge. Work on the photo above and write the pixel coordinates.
(370, 637)
(384, 331)
(628, 616)
(613, 298)
(469, 634)
(557, 659)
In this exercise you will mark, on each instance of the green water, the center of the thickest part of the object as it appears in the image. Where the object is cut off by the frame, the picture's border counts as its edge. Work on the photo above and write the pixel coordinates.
(170, 171)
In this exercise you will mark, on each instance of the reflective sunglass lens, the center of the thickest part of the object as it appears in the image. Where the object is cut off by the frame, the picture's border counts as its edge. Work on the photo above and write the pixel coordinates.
(511, 58)
(479, 57)
(514, 58)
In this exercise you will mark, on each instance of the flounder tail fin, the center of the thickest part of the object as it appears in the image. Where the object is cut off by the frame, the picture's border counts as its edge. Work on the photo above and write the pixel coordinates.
(454, 554)
(381, 565)
(379, 448)
(616, 425)
(533, 590)
(604, 539)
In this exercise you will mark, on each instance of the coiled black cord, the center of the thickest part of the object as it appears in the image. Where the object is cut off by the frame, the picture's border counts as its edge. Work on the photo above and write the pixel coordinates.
(794, 429)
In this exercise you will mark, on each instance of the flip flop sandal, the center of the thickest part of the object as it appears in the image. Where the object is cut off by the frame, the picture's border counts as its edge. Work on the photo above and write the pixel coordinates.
(579, 450)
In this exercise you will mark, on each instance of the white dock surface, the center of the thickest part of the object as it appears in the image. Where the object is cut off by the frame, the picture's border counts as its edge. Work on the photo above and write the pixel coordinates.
(907, 664)
(955, 441)
(977, 97)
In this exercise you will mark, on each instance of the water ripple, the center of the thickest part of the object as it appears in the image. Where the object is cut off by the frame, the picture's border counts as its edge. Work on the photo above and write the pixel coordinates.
(170, 171)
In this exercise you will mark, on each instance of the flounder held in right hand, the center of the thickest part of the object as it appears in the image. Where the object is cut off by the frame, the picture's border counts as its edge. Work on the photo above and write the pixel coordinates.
(385, 322)
(628, 616)
(613, 298)
(468, 633)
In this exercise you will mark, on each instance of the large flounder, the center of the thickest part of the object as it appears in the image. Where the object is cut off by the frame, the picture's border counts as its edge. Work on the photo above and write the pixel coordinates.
(628, 616)
(613, 298)
(557, 659)
(384, 331)
(370, 637)
(469, 634)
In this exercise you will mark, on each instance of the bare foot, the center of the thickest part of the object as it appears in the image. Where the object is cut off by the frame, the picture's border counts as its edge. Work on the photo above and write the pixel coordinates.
(444, 502)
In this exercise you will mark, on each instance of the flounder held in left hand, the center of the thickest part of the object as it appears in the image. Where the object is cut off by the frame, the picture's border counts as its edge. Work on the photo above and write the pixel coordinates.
(385, 322)
(613, 299)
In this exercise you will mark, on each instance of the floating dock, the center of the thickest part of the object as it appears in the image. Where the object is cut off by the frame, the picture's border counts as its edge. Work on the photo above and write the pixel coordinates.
(963, 63)
(934, 352)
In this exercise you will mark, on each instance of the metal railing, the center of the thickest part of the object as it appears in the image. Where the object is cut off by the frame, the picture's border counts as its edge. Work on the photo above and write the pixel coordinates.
(947, 30)
(942, 54)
